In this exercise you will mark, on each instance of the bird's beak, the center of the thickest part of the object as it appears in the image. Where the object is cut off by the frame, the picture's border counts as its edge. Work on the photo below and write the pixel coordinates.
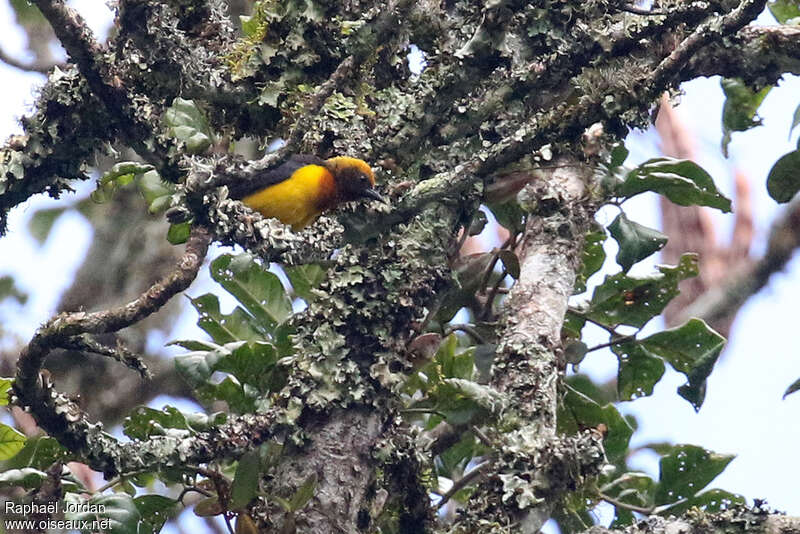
(371, 193)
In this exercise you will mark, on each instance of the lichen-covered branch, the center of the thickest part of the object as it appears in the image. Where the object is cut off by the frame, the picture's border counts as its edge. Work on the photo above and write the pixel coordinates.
(703, 35)
(527, 368)
(503, 80)
(738, 519)
(758, 55)
(89, 56)
(55, 412)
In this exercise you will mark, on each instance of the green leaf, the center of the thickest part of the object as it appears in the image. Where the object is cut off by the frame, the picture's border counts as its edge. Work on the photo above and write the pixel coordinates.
(303, 494)
(573, 325)
(235, 326)
(784, 10)
(639, 370)
(600, 393)
(739, 111)
(11, 442)
(27, 14)
(486, 397)
(39, 452)
(42, 222)
(9, 289)
(120, 175)
(26, 478)
(623, 299)
(144, 422)
(454, 363)
(198, 366)
(30, 479)
(245, 482)
(795, 120)
(5, 387)
(633, 488)
(448, 386)
(179, 233)
(622, 518)
(155, 511)
(711, 501)
(452, 462)
(154, 191)
(186, 122)
(117, 510)
(794, 387)
(508, 215)
(304, 279)
(258, 290)
(682, 181)
(686, 470)
(618, 155)
(691, 349)
(578, 412)
(123, 173)
(592, 258)
(251, 363)
(783, 180)
(241, 398)
(636, 242)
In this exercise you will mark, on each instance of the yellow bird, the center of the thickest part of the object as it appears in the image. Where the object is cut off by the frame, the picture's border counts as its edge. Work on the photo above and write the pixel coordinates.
(304, 187)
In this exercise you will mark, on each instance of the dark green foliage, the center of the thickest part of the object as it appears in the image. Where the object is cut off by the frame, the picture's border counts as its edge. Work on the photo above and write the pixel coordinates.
(739, 111)
(636, 242)
(626, 300)
(783, 180)
(682, 181)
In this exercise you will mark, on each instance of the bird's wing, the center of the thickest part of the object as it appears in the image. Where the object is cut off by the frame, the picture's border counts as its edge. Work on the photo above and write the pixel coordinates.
(266, 178)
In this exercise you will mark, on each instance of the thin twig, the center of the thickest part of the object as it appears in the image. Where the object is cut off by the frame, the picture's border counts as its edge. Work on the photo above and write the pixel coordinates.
(626, 506)
(482, 437)
(424, 411)
(462, 482)
(42, 68)
(466, 328)
(489, 306)
(187, 489)
(640, 11)
(121, 354)
(618, 341)
(111, 483)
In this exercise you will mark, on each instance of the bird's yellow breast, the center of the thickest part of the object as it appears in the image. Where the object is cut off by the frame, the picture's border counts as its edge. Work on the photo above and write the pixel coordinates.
(298, 200)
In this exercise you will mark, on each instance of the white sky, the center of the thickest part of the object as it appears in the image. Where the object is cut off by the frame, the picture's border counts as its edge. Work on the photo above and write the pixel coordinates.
(743, 413)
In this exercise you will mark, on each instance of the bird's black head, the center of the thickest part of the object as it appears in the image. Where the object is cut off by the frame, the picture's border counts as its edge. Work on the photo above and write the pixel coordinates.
(354, 179)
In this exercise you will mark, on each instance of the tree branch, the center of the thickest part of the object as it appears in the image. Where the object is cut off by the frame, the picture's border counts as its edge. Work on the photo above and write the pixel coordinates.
(702, 36)
(724, 301)
(56, 413)
(78, 40)
(41, 68)
(756, 54)
(526, 368)
(758, 520)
